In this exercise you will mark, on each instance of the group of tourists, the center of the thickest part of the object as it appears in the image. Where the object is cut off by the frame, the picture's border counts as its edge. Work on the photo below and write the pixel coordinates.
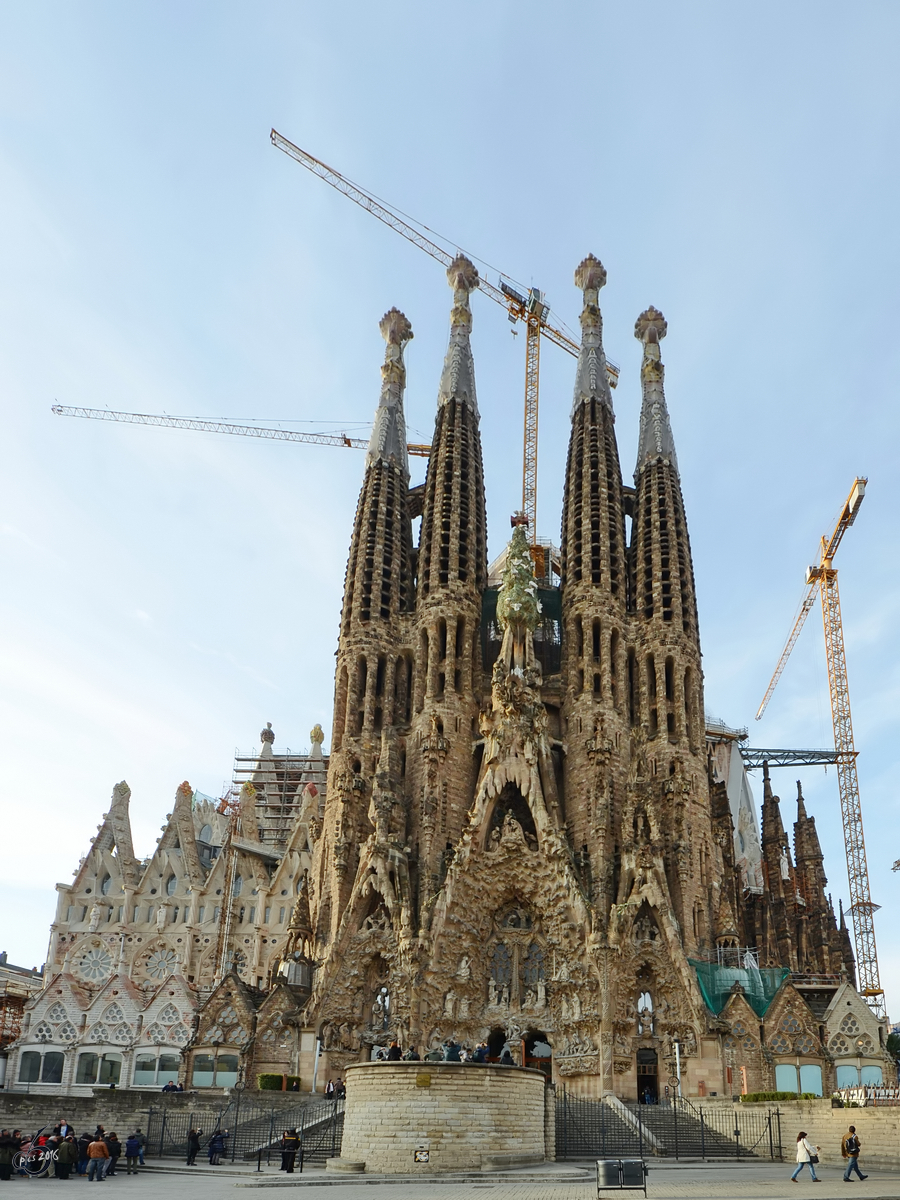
(62, 1152)
(215, 1147)
(450, 1051)
(335, 1089)
(808, 1156)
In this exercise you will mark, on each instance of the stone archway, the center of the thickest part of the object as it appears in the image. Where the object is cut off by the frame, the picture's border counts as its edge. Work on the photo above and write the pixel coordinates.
(537, 1052)
(496, 1040)
(647, 1075)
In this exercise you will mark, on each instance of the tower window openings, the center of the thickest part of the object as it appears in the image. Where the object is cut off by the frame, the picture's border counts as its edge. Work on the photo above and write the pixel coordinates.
(653, 721)
(105, 885)
(613, 666)
(379, 676)
(171, 885)
(595, 640)
(631, 671)
(670, 679)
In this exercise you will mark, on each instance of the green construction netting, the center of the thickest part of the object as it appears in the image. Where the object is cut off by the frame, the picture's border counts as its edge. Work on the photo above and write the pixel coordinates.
(759, 983)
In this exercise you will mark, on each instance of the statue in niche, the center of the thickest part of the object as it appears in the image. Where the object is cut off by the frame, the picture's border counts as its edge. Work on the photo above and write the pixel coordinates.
(95, 918)
(785, 864)
(161, 918)
(450, 1004)
(493, 994)
(464, 970)
(463, 1008)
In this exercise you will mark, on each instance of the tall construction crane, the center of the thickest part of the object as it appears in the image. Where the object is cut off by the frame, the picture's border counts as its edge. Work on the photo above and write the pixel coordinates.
(823, 579)
(532, 309)
(281, 435)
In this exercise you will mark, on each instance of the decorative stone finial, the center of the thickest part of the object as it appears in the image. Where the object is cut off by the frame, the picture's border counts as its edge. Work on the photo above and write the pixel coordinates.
(517, 602)
(590, 275)
(395, 328)
(267, 735)
(650, 326)
(184, 792)
(463, 274)
(316, 735)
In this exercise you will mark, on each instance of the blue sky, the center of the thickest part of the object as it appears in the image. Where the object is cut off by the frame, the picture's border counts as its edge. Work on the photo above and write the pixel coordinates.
(167, 594)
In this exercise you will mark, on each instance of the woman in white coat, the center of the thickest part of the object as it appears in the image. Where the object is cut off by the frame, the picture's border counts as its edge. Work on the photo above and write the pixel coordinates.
(805, 1154)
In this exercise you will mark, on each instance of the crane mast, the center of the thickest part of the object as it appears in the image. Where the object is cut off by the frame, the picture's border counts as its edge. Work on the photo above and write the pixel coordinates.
(822, 579)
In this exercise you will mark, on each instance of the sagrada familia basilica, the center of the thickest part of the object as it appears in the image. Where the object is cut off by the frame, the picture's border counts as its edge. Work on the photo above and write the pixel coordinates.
(525, 831)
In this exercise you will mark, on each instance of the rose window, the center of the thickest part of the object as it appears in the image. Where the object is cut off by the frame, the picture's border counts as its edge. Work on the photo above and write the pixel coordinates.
(780, 1044)
(179, 1035)
(838, 1045)
(156, 1033)
(228, 1016)
(804, 1045)
(98, 1033)
(161, 964)
(169, 1015)
(56, 1012)
(850, 1025)
(95, 964)
(215, 1035)
(122, 1034)
(114, 1014)
(44, 1032)
(790, 1024)
(66, 1032)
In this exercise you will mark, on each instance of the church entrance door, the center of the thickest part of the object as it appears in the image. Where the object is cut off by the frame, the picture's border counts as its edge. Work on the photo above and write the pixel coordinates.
(647, 1076)
(537, 1052)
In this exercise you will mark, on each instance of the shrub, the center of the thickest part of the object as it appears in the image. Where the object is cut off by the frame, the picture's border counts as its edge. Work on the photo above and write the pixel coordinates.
(755, 1097)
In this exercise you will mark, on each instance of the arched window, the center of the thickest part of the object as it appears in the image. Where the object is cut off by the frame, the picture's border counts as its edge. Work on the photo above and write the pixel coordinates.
(236, 887)
(206, 833)
(171, 885)
(105, 885)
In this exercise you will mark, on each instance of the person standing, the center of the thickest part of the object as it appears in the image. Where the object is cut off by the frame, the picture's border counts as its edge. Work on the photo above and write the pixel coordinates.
(82, 1165)
(8, 1146)
(394, 1053)
(142, 1142)
(115, 1152)
(806, 1154)
(850, 1148)
(98, 1157)
(216, 1147)
(290, 1144)
(132, 1154)
(66, 1155)
(193, 1146)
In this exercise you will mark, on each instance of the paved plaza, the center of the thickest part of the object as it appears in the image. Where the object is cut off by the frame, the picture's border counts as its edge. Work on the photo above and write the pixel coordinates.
(555, 1181)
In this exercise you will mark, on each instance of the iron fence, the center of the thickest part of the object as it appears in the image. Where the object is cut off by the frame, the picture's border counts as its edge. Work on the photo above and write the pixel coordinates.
(254, 1129)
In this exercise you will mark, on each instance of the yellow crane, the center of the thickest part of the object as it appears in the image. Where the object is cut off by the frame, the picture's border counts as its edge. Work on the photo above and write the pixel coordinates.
(822, 579)
(532, 309)
(203, 426)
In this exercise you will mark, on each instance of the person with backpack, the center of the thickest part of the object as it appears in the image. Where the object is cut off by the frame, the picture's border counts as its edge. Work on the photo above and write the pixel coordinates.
(850, 1148)
(132, 1154)
(807, 1155)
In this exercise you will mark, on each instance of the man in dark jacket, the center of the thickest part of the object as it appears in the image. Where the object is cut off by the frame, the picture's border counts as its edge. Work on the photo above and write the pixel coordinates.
(216, 1147)
(82, 1165)
(394, 1053)
(850, 1148)
(132, 1154)
(8, 1146)
(115, 1152)
(290, 1144)
(193, 1146)
(66, 1156)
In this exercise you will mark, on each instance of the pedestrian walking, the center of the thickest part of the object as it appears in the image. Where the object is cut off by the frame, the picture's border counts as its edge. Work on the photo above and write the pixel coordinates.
(290, 1144)
(808, 1155)
(329, 1089)
(132, 1154)
(340, 1090)
(193, 1146)
(142, 1142)
(850, 1148)
(98, 1157)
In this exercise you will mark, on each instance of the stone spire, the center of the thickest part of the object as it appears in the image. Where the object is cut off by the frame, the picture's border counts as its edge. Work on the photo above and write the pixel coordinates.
(591, 379)
(593, 525)
(655, 440)
(453, 545)
(458, 376)
(388, 440)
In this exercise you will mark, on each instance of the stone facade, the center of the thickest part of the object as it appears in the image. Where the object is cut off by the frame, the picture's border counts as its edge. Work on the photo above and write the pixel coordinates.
(526, 831)
(463, 1118)
(529, 834)
(139, 946)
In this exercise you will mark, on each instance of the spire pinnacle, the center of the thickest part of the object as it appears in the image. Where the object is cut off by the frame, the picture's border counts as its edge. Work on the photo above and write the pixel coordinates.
(591, 379)
(458, 377)
(655, 441)
(388, 440)
(801, 807)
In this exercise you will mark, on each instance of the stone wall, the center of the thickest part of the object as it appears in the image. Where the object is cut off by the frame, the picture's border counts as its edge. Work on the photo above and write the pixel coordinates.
(463, 1116)
(122, 1110)
(878, 1130)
